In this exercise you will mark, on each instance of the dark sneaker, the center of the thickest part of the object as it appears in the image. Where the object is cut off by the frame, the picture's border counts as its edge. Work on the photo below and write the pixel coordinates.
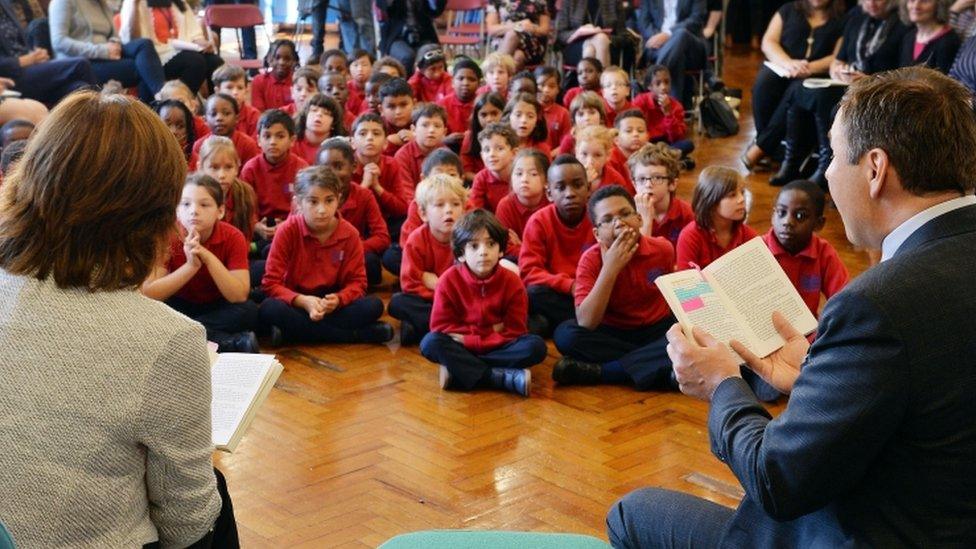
(277, 338)
(569, 371)
(513, 380)
(246, 342)
(408, 335)
(538, 325)
(377, 332)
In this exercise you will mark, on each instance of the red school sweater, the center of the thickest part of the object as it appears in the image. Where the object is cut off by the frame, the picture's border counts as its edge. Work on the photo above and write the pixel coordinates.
(467, 305)
(423, 253)
(551, 249)
(273, 183)
(299, 264)
(393, 180)
(362, 212)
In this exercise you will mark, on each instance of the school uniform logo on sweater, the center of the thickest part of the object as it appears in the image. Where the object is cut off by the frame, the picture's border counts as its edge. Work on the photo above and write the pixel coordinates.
(810, 283)
(337, 256)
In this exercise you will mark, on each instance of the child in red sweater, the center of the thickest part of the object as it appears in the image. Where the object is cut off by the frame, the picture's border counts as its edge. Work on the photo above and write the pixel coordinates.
(371, 100)
(222, 111)
(498, 69)
(360, 69)
(430, 81)
(205, 275)
(319, 120)
(557, 116)
(488, 109)
(359, 206)
(377, 172)
(498, 142)
(315, 277)
(656, 168)
(524, 114)
(272, 173)
(618, 335)
(478, 321)
(631, 136)
(719, 204)
(427, 254)
(554, 239)
(429, 129)
(333, 84)
(588, 109)
(396, 108)
(459, 104)
(593, 146)
(615, 85)
(664, 113)
(304, 84)
(233, 81)
(272, 89)
(528, 194)
(218, 159)
(588, 72)
(809, 261)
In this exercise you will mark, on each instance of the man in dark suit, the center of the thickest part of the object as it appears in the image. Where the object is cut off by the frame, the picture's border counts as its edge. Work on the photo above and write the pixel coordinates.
(406, 25)
(877, 445)
(672, 35)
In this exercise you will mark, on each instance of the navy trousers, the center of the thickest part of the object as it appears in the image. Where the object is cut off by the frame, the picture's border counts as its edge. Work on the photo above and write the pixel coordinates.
(556, 307)
(468, 369)
(192, 68)
(221, 319)
(641, 352)
(413, 310)
(48, 82)
(655, 517)
(392, 258)
(374, 268)
(339, 327)
(139, 66)
(683, 51)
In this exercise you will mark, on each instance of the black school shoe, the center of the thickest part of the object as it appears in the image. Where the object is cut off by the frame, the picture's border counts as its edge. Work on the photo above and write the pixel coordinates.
(243, 342)
(569, 371)
(408, 334)
(377, 332)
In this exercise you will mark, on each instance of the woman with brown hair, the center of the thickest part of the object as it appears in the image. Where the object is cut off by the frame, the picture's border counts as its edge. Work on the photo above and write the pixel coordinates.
(106, 404)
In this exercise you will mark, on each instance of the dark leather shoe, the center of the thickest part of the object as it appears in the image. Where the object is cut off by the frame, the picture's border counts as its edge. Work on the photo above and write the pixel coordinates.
(569, 371)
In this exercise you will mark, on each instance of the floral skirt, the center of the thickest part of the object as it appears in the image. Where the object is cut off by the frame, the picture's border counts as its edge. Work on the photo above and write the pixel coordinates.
(533, 46)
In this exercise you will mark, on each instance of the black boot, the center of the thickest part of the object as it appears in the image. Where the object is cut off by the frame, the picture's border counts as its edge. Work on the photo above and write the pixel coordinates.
(824, 156)
(569, 371)
(793, 149)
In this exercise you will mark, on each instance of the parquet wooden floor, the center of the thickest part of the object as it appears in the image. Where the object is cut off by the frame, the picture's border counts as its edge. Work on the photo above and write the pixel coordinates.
(350, 456)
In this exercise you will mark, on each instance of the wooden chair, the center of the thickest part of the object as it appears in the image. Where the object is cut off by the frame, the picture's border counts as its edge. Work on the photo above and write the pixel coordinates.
(237, 17)
(465, 26)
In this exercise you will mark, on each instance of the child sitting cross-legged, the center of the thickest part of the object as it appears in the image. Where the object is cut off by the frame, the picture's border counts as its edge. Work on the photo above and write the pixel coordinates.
(205, 275)
(528, 193)
(427, 254)
(498, 142)
(315, 277)
(631, 136)
(664, 113)
(618, 335)
(429, 122)
(478, 321)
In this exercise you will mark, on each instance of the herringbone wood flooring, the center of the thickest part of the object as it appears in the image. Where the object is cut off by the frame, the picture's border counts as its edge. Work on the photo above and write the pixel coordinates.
(350, 458)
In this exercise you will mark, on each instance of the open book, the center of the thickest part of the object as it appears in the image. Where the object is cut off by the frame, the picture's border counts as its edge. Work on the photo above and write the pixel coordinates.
(240, 384)
(819, 83)
(734, 298)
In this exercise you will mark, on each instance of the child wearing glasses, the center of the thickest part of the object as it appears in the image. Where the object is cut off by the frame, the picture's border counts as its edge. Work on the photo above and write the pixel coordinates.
(618, 335)
(655, 169)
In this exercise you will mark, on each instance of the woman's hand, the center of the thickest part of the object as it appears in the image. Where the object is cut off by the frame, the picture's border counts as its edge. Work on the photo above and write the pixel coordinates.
(5, 83)
(36, 56)
(798, 68)
(114, 51)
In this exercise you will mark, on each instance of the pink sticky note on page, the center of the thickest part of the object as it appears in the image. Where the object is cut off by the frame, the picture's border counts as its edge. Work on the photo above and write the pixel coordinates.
(692, 304)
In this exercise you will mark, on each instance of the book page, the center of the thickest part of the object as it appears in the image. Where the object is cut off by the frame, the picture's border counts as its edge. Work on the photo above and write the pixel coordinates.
(696, 302)
(754, 284)
(236, 379)
(780, 71)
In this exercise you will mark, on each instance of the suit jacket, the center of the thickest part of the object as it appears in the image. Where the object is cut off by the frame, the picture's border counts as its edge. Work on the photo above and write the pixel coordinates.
(572, 15)
(877, 446)
(692, 15)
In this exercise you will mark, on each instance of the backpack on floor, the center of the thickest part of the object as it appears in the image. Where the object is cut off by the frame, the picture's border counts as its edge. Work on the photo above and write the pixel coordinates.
(717, 116)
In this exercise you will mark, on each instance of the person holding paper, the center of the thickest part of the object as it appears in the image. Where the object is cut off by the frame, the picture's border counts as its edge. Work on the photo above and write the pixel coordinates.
(106, 395)
(671, 31)
(877, 445)
(591, 28)
(182, 41)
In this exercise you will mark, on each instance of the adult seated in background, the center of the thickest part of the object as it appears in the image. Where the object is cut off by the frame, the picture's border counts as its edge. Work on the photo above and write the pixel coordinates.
(872, 40)
(30, 68)
(14, 107)
(96, 454)
(802, 39)
(930, 41)
(962, 18)
(877, 444)
(406, 25)
(84, 28)
(672, 36)
(519, 28)
(592, 28)
(176, 32)
(964, 67)
(32, 18)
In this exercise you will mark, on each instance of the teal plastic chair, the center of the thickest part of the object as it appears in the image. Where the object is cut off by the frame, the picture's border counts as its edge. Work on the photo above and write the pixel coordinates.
(488, 539)
(6, 540)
